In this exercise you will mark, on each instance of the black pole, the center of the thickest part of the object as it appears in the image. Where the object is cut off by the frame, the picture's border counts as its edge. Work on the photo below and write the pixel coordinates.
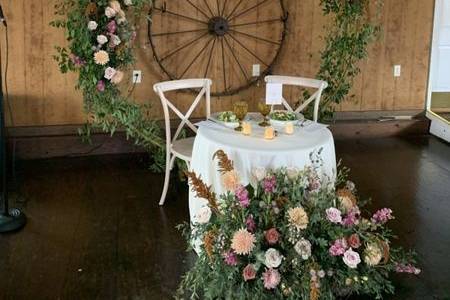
(10, 219)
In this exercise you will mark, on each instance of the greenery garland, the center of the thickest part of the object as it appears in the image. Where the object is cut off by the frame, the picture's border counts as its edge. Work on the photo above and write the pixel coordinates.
(346, 43)
(101, 47)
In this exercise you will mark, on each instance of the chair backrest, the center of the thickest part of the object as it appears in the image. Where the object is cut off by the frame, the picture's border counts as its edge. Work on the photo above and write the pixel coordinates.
(320, 85)
(187, 84)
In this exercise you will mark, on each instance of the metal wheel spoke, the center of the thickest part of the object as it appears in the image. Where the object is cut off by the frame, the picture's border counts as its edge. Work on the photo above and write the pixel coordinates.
(177, 32)
(255, 37)
(183, 47)
(236, 59)
(234, 9)
(247, 10)
(196, 57)
(248, 50)
(197, 8)
(180, 15)
(223, 66)
(210, 57)
(209, 8)
(256, 22)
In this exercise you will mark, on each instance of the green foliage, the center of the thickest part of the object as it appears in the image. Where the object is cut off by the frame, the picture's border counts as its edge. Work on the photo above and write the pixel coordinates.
(346, 43)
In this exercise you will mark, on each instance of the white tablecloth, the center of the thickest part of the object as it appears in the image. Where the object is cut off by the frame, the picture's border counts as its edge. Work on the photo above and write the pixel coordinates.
(249, 152)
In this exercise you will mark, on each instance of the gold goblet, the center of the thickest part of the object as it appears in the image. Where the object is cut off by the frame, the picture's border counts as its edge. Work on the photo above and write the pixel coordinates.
(264, 109)
(240, 109)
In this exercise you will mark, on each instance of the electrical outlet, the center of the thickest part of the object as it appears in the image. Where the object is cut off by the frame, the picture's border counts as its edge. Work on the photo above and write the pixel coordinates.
(137, 76)
(256, 70)
(397, 70)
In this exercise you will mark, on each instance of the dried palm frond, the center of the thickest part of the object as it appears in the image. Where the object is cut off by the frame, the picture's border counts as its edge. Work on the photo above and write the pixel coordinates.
(386, 251)
(91, 9)
(202, 190)
(225, 164)
(314, 291)
(208, 242)
(346, 193)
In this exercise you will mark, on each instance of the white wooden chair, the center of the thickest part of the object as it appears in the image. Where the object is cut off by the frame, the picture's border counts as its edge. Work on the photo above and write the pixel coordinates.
(180, 148)
(320, 85)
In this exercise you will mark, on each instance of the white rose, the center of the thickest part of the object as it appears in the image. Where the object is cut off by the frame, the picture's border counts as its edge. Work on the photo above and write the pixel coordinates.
(102, 39)
(259, 173)
(273, 258)
(109, 73)
(351, 258)
(121, 20)
(128, 2)
(203, 216)
(292, 173)
(115, 40)
(303, 248)
(109, 12)
(92, 25)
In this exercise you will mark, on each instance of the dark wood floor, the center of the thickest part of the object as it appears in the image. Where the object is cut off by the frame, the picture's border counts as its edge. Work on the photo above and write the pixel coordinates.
(95, 230)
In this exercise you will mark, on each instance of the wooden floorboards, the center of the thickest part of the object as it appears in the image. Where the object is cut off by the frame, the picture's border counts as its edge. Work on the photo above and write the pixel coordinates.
(95, 230)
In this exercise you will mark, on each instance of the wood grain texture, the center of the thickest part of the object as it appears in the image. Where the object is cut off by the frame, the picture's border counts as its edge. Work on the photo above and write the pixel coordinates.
(40, 95)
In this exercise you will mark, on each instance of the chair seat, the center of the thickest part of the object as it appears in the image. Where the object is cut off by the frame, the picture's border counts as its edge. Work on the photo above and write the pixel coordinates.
(182, 148)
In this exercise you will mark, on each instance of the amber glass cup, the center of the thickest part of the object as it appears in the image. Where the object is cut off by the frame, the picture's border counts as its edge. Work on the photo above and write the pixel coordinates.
(240, 109)
(264, 109)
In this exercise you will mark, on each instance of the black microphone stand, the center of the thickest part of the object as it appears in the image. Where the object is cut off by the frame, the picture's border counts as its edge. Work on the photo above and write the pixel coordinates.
(10, 219)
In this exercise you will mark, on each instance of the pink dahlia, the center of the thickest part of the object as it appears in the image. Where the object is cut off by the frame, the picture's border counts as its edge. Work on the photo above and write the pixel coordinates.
(271, 278)
(243, 242)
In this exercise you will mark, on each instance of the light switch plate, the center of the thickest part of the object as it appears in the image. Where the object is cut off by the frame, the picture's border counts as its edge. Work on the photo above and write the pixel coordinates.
(137, 76)
(256, 70)
(397, 70)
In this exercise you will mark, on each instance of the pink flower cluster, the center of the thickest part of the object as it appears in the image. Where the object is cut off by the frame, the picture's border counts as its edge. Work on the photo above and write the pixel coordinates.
(271, 278)
(407, 268)
(250, 224)
(352, 217)
(339, 247)
(241, 194)
(230, 258)
(382, 216)
(269, 184)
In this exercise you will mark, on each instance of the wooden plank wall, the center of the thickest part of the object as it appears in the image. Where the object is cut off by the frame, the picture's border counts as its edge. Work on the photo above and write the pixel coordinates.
(40, 95)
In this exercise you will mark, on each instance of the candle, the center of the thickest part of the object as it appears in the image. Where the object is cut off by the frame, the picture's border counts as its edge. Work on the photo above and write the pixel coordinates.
(289, 129)
(269, 133)
(246, 128)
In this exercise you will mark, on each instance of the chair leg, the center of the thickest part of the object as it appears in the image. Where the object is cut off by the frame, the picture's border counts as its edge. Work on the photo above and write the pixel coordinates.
(166, 180)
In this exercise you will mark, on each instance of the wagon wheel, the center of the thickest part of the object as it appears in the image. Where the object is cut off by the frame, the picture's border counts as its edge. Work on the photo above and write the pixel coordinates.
(218, 39)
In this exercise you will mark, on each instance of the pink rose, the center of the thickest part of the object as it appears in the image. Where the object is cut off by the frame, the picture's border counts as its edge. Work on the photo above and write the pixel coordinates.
(334, 215)
(271, 278)
(249, 272)
(354, 241)
(351, 258)
(272, 236)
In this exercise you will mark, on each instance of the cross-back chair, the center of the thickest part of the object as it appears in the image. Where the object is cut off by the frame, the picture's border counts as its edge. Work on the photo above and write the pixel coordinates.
(180, 147)
(320, 85)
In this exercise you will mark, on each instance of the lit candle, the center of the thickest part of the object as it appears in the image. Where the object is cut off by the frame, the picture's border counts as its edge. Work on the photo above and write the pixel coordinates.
(246, 128)
(269, 133)
(289, 129)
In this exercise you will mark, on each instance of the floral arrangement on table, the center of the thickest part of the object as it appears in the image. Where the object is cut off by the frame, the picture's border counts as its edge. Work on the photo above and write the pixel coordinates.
(288, 235)
(101, 38)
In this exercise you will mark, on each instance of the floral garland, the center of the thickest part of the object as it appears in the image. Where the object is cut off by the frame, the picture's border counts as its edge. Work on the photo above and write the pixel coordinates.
(289, 235)
(101, 37)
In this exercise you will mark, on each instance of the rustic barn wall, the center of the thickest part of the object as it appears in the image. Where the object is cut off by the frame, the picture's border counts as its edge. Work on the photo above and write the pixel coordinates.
(39, 95)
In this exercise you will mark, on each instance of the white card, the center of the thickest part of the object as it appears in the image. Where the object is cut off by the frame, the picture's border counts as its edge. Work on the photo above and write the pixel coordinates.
(274, 93)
